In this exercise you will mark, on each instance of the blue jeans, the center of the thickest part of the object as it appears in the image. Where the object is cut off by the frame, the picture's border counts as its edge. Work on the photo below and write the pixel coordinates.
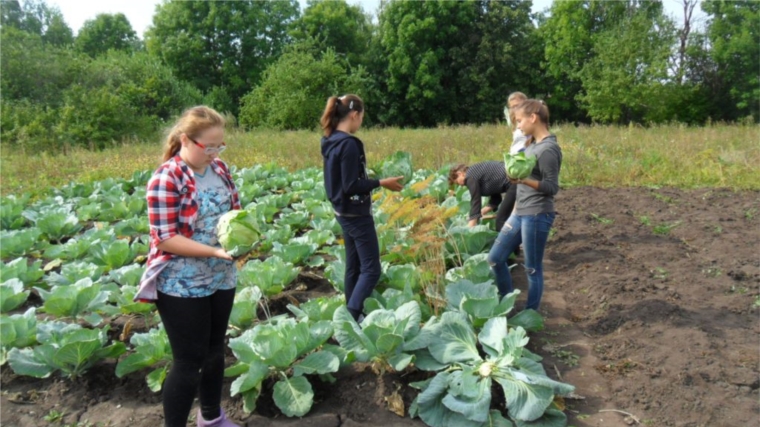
(532, 231)
(363, 267)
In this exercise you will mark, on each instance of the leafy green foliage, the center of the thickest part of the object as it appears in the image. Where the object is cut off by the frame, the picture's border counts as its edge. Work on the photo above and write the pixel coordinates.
(16, 243)
(64, 347)
(474, 269)
(113, 254)
(385, 337)
(337, 25)
(270, 276)
(82, 299)
(11, 209)
(220, 44)
(460, 394)
(12, 295)
(466, 241)
(245, 306)
(398, 164)
(55, 224)
(74, 272)
(29, 274)
(295, 253)
(150, 349)
(273, 350)
(17, 331)
(313, 310)
(105, 32)
(400, 276)
(293, 90)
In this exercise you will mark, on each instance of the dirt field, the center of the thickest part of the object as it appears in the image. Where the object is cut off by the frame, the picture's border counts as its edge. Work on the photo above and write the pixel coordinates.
(651, 304)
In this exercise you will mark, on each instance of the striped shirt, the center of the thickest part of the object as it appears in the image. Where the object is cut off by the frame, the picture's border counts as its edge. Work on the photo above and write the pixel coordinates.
(486, 179)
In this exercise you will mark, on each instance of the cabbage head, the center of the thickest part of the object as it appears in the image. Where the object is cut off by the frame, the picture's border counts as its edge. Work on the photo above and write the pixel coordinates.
(237, 232)
(519, 166)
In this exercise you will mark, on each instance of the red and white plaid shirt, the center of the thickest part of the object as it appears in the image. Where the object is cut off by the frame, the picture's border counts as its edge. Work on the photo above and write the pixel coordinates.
(172, 209)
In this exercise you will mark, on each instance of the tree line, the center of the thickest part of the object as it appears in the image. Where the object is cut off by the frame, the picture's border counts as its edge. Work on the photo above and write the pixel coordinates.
(416, 64)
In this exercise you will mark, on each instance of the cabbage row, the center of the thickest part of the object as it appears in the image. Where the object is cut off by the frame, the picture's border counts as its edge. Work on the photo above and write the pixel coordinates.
(71, 263)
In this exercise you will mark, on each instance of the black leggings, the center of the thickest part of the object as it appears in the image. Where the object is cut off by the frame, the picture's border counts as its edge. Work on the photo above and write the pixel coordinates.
(196, 328)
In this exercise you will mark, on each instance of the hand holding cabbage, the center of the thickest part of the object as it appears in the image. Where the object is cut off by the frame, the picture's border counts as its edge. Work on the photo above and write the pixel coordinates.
(238, 232)
(519, 166)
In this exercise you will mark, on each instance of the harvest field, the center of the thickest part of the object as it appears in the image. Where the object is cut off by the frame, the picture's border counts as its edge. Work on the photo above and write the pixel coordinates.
(649, 314)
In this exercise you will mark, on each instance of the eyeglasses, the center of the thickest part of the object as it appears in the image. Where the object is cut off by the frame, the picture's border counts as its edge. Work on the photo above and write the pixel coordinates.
(210, 150)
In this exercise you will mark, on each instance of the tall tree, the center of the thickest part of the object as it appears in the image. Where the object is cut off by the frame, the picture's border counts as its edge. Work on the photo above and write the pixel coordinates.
(36, 17)
(734, 34)
(419, 39)
(569, 35)
(455, 62)
(337, 25)
(221, 43)
(105, 32)
(500, 56)
(623, 81)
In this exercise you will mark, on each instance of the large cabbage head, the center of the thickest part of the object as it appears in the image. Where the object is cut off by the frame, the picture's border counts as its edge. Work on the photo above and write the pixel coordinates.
(237, 232)
(398, 164)
(519, 166)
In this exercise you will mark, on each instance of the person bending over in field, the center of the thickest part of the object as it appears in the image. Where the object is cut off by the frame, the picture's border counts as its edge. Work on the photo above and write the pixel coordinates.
(189, 276)
(486, 179)
(534, 211)
(349, 190)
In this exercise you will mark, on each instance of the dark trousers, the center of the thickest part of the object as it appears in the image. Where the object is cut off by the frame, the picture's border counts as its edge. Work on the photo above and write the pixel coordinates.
(506, 207)
(362, 260)
(196, 329)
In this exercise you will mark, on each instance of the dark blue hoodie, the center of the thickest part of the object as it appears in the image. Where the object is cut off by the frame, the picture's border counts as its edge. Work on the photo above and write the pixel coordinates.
(346, 182)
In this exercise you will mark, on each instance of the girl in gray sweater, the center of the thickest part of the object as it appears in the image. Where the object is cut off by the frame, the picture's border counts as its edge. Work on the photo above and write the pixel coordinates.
(534, 210)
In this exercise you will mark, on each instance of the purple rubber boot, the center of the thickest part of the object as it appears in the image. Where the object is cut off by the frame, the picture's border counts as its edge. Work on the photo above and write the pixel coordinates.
(222, 421)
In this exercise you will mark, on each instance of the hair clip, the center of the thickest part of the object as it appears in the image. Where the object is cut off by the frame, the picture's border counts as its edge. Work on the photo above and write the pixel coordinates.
(351, 105)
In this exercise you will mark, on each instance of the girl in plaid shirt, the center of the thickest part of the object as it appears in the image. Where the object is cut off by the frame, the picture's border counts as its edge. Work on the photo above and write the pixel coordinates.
(189, 276)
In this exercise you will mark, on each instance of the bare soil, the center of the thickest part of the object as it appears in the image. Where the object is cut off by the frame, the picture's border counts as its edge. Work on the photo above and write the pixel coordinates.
(651, 300)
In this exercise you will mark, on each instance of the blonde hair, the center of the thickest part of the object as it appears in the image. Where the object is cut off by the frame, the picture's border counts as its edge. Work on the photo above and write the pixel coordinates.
(515, 96)
(192, 122)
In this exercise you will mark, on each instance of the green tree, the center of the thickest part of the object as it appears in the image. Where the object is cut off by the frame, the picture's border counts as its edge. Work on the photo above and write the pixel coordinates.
(295, 88)
(419, 40)
(569, 35)
(105, 32)
(734, 34)
(454, 62)
(337, 25)
(54, 68)
(624, 79)
(36, 17)
(221, 44)
(500, 56)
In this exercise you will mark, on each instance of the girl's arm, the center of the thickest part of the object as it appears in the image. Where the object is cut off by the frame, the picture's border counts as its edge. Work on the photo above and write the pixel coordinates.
(182, 246)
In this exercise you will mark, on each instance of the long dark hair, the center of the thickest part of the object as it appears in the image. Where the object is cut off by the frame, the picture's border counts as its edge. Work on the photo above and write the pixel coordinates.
(338, 109)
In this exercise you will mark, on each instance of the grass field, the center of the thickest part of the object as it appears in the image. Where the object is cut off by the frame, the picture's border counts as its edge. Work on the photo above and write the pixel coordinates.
(602, 156)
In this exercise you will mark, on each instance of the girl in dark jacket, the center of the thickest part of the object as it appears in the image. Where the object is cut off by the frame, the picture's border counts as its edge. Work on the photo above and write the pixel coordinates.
(349, 190)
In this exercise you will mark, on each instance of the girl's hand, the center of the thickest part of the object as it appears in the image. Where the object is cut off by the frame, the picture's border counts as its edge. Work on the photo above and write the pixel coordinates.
(221, 253)
(392, 184)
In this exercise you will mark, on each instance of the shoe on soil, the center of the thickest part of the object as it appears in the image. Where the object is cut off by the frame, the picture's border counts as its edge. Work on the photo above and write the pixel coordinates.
(222, 421)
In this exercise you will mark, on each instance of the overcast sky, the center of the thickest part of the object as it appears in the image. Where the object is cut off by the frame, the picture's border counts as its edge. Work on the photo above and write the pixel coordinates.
(140, 12)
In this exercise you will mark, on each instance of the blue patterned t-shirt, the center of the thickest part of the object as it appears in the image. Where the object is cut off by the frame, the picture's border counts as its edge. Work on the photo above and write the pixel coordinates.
(192, 277)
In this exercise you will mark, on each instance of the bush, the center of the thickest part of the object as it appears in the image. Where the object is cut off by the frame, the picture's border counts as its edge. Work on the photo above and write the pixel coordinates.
(295, 89)
(77, 101)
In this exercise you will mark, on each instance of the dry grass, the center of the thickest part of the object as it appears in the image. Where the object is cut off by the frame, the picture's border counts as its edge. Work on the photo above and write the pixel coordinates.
(605, 156)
